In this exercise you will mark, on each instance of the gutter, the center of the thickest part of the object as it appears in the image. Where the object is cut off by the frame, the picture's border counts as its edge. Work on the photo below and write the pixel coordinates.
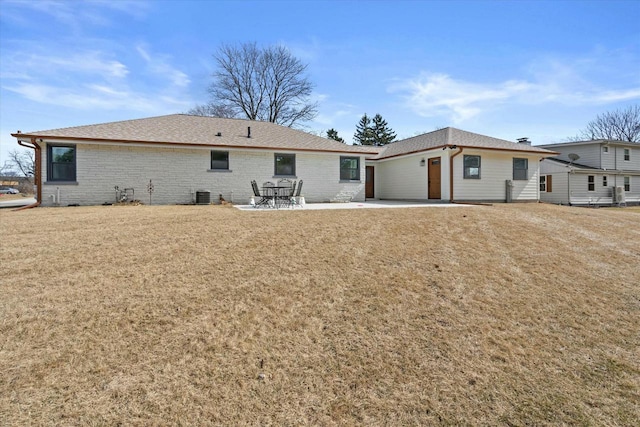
(37, 178)
(451, 171)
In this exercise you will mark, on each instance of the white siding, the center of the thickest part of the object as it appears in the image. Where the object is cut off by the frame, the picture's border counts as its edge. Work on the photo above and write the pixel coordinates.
(589, 154)
(559, 193)
(178, 172)
(496, 167)
(402, 178)
(633, 164)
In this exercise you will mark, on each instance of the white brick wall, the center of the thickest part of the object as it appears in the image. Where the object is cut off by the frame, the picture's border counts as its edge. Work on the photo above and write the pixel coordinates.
(178, 172)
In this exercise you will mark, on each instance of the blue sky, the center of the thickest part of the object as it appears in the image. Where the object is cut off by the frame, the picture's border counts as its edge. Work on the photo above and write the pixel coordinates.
(509, 69)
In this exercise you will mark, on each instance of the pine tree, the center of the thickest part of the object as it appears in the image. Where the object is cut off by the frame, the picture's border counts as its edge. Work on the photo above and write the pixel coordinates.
(364, 132)
(382, 133)
(333, 134)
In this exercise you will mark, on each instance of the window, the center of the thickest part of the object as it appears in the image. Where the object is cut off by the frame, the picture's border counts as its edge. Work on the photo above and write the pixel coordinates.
(591, 181)
(471, 167)
(285, 164)
(604, 180)
(627, 183)
(520, 168)
(605, 149)
(627, 154)
(61, 162)
(545, 183)
(220, 160)
(349, 168)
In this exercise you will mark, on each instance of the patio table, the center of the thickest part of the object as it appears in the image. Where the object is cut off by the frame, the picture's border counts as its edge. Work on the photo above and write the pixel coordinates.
(275, 193)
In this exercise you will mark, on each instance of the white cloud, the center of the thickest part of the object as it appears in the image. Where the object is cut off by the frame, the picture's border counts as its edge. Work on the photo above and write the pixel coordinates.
(160, 65)
(549, 82)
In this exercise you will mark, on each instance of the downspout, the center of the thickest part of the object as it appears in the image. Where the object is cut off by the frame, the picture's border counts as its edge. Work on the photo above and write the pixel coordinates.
(37, 177)
(451, 174)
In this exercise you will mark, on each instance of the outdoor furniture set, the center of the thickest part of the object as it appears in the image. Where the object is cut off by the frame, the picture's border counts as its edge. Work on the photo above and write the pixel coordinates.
(285, 194)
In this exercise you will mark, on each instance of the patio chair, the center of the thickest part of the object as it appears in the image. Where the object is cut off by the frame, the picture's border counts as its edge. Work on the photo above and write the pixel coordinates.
(284, 192)
(261, 200)
(295, 198)
(269, 193)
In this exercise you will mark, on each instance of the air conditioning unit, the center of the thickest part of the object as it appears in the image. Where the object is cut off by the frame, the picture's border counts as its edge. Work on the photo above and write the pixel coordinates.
(618, 194)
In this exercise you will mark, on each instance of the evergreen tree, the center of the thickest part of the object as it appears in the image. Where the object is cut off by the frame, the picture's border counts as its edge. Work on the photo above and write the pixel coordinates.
(333, 134)
(382, 133)
(364, 132)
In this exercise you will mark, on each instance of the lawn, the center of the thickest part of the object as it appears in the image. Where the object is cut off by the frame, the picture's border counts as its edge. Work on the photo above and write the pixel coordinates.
(202, 315)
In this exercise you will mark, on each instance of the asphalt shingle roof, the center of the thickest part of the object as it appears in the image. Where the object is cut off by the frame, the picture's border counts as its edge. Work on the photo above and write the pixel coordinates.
(452, 136)
(182, 129)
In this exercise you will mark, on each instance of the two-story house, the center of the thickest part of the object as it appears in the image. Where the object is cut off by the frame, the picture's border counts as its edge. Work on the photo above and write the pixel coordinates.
(597, 172)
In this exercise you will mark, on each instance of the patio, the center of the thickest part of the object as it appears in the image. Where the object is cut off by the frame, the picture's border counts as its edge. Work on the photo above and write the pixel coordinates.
(371, 204)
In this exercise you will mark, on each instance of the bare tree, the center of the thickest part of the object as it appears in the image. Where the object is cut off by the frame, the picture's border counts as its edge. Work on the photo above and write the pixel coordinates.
(23, 162)
(260, 84)
(214, 110)
(620, 125)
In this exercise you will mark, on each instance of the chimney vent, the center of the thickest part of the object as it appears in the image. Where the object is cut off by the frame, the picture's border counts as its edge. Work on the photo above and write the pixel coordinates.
(524, 141)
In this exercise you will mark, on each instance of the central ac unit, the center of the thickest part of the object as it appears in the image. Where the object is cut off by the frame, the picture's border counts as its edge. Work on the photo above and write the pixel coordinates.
(618, 194)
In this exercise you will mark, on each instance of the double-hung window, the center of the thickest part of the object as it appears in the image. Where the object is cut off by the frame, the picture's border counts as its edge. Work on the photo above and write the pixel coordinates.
(285, 164)
(591, 183)
(219, 160)
(627, 154)
(627, 183)
(520, 169)
(604, 180)
(471, 167)
(61, 163)
(349, 168)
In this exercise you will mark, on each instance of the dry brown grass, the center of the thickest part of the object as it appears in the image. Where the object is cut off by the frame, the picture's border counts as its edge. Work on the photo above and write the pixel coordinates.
(197, 315)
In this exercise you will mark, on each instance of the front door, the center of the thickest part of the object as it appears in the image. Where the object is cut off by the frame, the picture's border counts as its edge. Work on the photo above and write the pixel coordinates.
(434, 178)
(368, 185)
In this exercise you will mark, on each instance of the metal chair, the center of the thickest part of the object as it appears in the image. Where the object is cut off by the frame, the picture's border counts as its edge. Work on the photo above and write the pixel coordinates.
(269, 193)
(295, 199)
(261, 199)
(284, 192)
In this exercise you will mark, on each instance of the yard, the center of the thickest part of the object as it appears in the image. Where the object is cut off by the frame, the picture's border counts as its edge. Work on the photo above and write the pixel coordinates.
(195, 315)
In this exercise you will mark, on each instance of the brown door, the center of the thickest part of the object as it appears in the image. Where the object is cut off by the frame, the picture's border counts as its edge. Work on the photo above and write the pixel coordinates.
(434, 178)
(368, 185)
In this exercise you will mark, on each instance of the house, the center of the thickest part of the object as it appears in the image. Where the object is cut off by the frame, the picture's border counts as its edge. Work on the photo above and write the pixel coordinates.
(592, 173)
(183, 155)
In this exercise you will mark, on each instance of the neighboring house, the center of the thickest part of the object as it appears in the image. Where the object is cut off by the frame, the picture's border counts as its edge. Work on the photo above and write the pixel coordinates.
(182, 155)
(597, 172)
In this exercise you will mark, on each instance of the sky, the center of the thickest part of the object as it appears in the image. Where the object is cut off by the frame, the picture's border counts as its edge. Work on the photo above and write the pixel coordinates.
(507, 69)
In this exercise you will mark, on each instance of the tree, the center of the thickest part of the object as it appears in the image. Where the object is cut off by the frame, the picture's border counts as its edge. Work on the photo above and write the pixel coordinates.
(333, 134)
(23, 162)
(620, 125)
(364, 132)
(382, 133)
(213, 110)
(267, 84)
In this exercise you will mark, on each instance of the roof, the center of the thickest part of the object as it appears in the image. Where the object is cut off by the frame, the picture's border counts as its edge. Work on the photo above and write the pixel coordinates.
(451, 136)
(188, 130)
(592, 141)
(573, 164)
